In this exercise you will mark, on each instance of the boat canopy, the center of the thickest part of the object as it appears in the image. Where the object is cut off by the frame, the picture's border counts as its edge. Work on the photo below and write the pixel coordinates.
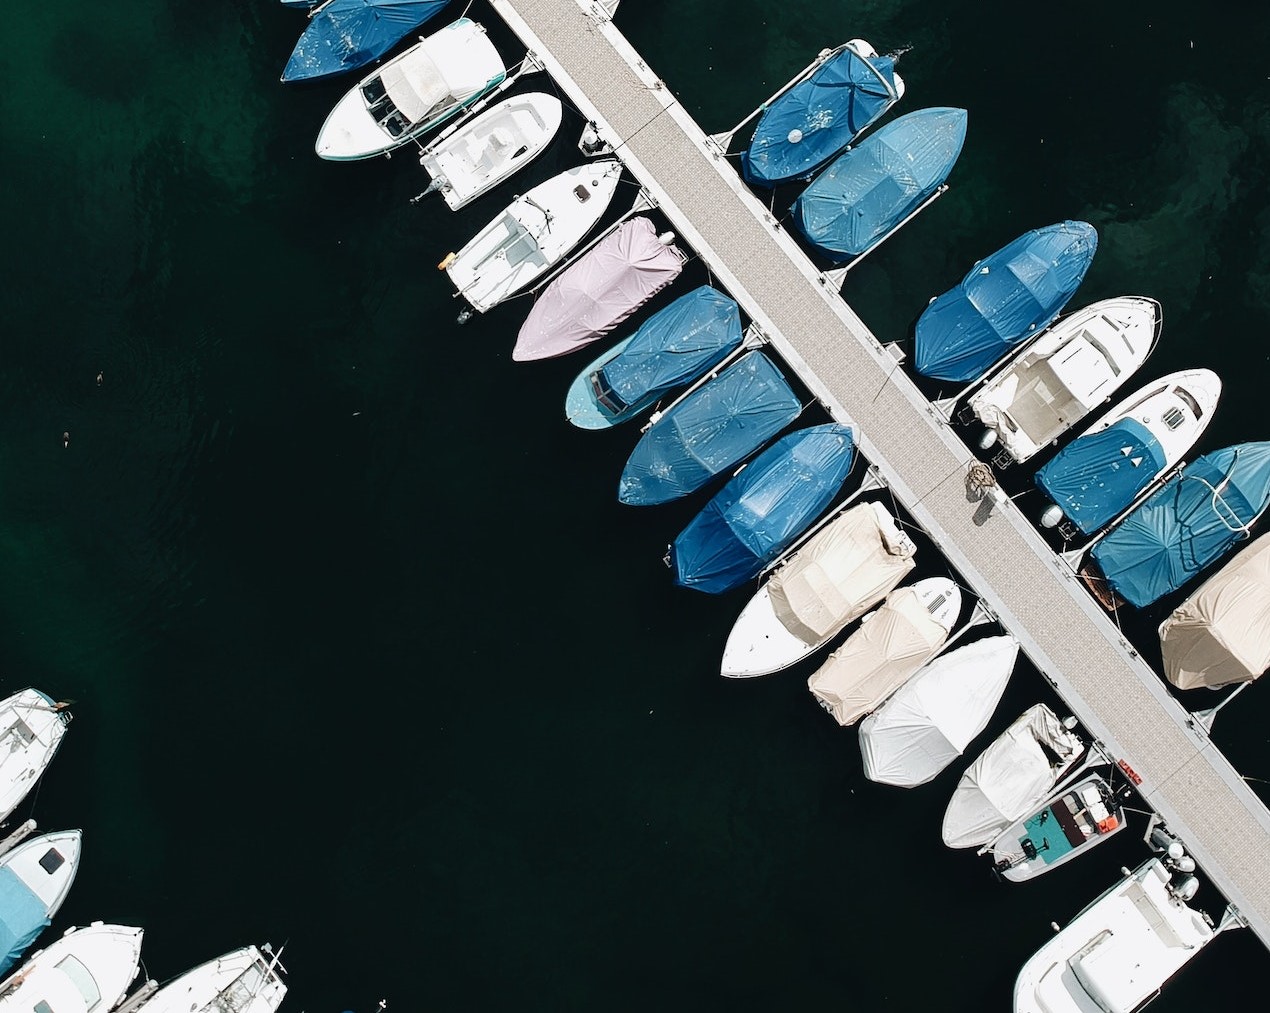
(818, 117)
(840, 573)
(890, 645)
(1221, 633)
(23, 916)
(674, 346)
(1007, 297)
(933, 717)
(599, 290)
(1187, 523)
(346, 34)
(1100, 474)
(711, 429)
(1009, 778)
(762, 509)
(872, 187)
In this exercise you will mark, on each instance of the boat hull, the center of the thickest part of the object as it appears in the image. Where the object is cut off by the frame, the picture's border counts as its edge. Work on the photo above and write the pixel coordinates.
(31, 729)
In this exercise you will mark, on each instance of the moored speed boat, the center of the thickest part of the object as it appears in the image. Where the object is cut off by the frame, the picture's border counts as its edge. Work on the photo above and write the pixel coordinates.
(497, 143)
(242, 981)
(1058, 379)
(343, 35)
(31, 729)
(35, 877)
(432, 81)
(87, 970)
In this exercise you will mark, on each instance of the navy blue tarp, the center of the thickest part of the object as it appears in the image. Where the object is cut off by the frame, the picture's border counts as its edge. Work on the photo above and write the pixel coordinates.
(818, 117)
(1006, 298)
(753, 518)
(873, 186)
(347, 34)
(1186, 524)
(23, 916)
(1100, 474)
(711, 429)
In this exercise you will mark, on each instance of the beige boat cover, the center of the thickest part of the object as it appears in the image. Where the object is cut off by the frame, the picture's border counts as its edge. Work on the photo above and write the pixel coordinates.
(841, 573)
(1221, 633)
(878, 658)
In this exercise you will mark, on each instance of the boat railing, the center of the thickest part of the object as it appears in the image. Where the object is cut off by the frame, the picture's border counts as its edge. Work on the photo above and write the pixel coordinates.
(754, 338)
(1222, 509)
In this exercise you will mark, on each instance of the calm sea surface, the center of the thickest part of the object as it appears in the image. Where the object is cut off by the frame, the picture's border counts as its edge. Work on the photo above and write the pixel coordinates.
(368, 658)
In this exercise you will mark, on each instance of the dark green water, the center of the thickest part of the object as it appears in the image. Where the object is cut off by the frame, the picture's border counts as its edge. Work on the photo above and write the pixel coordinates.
(368, 658)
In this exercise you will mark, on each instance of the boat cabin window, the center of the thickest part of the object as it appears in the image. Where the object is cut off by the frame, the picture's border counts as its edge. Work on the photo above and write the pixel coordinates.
(1102, 350)
(43, 1007)
(1191, 403)
(82, 980)
(1174, 418)
(582, 193)
(606, 396)
(1143, 399)
(51, 861)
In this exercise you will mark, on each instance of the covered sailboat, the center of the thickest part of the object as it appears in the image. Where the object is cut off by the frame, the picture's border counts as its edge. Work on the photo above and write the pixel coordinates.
(674, 346)
(834, 578)
(821, 115)
(599, 290)
(931, 719)
(1187, 523)
(1221, 633)
(710, 430)
(762, 509)
(1007, 297)
(875, 185)
(343, 35)
(35, 878)
(1012, 775)
(891, 644)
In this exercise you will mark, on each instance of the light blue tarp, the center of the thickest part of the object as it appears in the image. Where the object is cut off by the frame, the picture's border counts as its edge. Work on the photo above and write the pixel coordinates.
(711, 429)
(752, 519)
(824, 114)
(22, 918)
(871, 188)
(1006, 298)
(1182, 527)
(347, 34)
(673, 347)
(1099, 475)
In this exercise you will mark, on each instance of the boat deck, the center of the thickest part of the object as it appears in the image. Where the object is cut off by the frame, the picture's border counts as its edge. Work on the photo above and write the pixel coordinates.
(1116, 695)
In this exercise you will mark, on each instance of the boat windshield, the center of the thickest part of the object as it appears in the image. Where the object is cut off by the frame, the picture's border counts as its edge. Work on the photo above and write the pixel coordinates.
(82, 980)
(1185, 396)
(605, 396)
(1092, 338)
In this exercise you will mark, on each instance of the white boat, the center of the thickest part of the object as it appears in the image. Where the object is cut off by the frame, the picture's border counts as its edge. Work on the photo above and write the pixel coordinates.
(430, 82)
(1116, 955)
(484, 152)
(930, 720)
(1010, 777)
(31, 729)
(892, 643)
(243, 981)
(35, 878)
(1063, 375)
(834, 578)
(534, 232)
(88, 970)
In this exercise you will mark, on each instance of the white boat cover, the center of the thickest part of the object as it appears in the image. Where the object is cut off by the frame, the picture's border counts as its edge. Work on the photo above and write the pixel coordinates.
(891, 644)
(415, 84)
(1010, 777)
(933, 717)
(1221, 633)
(840, 573)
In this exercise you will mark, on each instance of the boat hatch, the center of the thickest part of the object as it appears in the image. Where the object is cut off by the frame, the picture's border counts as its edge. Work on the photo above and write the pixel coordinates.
(43, 1007)
(1191, 403)
(582, 193)
(1173, 417)
(51, 861)
(82, 980)
(605, 396)
(936, 603)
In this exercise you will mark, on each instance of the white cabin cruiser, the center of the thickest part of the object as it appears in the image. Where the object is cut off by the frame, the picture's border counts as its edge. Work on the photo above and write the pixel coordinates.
(35, 878)
(1066, 372)
(31, 729)
(88, 970)
(430, 82)
(834, 578)
(481, 154)
(534, 232)
(1116, 955)
(244, 981)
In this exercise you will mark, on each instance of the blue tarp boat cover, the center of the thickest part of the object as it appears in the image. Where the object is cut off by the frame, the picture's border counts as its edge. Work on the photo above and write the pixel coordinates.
(673, 347)
(753, 518)
(347, 34)
(818, 117)
(711, 429)
(22, 918)
(1100, 474)
(1006, 298)
(300, 3)
(870, 188)
(1182, 527)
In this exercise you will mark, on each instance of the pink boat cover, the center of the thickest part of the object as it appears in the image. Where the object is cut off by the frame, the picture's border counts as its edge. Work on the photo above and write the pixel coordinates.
(598, 291)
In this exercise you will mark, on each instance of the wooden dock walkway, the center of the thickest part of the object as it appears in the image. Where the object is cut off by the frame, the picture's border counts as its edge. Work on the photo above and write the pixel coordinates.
(1116, 695)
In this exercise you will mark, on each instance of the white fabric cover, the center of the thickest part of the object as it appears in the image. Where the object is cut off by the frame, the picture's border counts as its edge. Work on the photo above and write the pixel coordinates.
(415, 85)
(933, 717)
(840, 573)
(1010, 777)
(1221, 633)
(890, 645)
